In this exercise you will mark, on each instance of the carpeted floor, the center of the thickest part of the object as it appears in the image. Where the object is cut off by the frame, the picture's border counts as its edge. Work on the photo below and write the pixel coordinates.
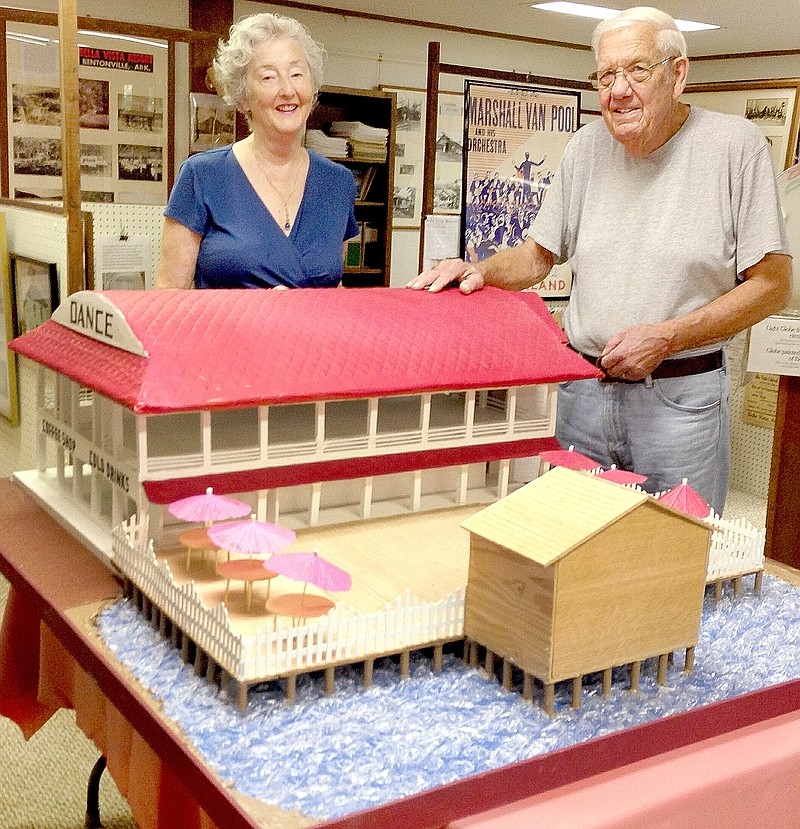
(43, 781)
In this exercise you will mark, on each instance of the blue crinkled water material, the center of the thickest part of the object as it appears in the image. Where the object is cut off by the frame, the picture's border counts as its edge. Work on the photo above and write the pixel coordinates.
(364, 747)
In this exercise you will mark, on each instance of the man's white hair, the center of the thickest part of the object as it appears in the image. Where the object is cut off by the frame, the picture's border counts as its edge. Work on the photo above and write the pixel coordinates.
(669, 39)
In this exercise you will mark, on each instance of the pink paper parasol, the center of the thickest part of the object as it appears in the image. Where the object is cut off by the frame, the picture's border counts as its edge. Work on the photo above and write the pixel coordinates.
(622, 476)
(310, 568)
(208, 508)
(685, 499)
(569, 458)
(251, 537)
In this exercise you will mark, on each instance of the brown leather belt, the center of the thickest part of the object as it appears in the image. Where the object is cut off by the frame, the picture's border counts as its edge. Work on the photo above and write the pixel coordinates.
(675, 367)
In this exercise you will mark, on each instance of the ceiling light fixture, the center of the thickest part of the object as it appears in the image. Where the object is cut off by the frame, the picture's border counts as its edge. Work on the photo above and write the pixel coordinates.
(603, 13)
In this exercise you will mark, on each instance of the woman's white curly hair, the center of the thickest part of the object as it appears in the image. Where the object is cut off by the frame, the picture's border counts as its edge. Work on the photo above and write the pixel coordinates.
(234, 55)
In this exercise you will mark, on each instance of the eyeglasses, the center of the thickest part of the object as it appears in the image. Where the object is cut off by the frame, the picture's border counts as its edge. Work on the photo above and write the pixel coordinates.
(632, 74)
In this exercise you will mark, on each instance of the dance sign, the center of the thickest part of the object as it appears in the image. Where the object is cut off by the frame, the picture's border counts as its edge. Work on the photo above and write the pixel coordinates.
(514, 137)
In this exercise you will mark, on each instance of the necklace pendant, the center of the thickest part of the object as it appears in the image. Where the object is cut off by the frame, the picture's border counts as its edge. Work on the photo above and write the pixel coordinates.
(287, 225)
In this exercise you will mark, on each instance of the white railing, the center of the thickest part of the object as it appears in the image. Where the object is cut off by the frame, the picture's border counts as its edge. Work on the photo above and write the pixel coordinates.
(737, 548)
(183, 605)
(345, 636)
(340, 637)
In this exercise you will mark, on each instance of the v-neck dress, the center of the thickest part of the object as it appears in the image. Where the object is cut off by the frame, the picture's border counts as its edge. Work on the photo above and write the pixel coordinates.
(242, 245)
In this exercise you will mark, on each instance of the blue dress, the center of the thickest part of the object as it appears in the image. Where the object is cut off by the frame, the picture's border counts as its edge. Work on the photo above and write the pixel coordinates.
(242, 245)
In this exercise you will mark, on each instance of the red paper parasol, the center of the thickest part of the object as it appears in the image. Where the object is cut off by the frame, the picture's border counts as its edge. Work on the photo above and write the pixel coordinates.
(622, 476)
(310, 568)
(685, 499)
(569, 458)
(251, 537)
(208, 507)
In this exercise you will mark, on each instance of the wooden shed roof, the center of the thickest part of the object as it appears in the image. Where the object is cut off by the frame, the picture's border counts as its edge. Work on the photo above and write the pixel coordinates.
(557, 512)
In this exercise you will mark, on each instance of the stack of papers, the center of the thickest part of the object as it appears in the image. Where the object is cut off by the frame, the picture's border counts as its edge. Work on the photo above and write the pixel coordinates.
(327, 145)
(368, 143)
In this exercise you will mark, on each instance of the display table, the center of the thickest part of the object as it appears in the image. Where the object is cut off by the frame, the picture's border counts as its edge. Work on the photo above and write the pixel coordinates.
(729, 763)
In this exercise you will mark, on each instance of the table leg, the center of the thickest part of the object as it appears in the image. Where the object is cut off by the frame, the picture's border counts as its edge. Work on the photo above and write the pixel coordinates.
(93, 795)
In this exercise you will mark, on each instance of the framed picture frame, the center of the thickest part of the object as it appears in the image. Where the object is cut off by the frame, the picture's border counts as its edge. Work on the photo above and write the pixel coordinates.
(409, 159)
(34, 292)
(514, 137)
(772, 105)
(9, 401)
(213, 122)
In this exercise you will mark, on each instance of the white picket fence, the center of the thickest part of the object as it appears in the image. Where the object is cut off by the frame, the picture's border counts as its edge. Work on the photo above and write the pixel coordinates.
(737, 548)
(209, 628)
(343, 636)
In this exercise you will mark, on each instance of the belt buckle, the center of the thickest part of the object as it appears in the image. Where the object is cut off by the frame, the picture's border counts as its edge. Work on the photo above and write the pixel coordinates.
(605, 378)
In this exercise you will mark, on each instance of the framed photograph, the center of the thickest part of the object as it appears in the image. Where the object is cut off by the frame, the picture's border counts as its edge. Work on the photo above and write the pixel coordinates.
(34, 292)
(410, 155)
(9, 405)
(213, 122)
(770, 105)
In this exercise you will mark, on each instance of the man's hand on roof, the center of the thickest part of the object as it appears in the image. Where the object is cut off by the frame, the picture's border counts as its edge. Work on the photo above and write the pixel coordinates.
(449, 272)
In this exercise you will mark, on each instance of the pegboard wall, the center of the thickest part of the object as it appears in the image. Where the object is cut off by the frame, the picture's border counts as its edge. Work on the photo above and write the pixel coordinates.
(751, 446)
(132, 220)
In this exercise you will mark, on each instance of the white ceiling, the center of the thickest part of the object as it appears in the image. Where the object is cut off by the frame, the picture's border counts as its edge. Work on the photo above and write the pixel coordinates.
(747, 26)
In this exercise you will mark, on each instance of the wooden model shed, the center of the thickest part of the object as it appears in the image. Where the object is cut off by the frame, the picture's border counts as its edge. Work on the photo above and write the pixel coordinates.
(572, 574)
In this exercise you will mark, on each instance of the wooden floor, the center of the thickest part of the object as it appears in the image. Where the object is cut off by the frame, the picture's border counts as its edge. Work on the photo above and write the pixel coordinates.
(427, 553)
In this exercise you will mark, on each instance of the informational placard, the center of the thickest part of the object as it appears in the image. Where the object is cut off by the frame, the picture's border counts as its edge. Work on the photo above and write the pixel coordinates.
(514, 137)
(775, 346)
(760, 400)
(441, 239)
(124, 262)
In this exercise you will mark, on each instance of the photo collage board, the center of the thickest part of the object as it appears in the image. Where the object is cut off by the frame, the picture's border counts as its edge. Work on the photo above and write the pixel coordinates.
(123, 101)
(410, 155)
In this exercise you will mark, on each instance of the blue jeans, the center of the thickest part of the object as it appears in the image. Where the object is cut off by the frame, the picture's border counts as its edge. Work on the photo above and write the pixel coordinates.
(667, 429)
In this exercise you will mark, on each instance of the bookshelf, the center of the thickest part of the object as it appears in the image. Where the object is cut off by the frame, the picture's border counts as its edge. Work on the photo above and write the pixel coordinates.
(367, 262)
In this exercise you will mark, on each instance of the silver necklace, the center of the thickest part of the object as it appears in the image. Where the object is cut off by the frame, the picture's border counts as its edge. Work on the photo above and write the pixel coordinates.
(287, 225)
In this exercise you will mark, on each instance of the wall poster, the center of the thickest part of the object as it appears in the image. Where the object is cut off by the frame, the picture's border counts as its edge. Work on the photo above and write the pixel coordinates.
(514, 137)
(409, 154)
(122, 88)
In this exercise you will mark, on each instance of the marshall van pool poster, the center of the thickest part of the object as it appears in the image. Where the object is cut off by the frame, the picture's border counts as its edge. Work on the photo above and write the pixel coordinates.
(514, 137)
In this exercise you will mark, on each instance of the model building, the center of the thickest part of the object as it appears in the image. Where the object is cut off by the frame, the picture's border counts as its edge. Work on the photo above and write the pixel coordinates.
(313, 406)
(572, 574)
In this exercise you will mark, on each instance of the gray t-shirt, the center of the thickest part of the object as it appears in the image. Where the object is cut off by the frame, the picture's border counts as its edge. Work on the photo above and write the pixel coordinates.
(654, 238)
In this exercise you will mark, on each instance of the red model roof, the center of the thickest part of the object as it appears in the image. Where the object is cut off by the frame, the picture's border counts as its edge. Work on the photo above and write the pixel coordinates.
(225, 349)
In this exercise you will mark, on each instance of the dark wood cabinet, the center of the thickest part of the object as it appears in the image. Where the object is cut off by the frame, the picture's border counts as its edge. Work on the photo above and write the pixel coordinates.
(368, 260)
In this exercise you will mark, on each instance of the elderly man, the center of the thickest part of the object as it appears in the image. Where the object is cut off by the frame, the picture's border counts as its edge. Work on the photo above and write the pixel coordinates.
(669, 218)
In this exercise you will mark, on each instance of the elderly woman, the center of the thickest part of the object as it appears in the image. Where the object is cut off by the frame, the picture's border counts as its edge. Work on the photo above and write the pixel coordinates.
(264, 212)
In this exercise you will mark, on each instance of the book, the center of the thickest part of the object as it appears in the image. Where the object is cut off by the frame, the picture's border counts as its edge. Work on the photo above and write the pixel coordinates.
(354, 249)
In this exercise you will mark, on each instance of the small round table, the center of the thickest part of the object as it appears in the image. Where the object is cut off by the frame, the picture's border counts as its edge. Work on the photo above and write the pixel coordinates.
(247, 570)
(195, 539)
(299, 606)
